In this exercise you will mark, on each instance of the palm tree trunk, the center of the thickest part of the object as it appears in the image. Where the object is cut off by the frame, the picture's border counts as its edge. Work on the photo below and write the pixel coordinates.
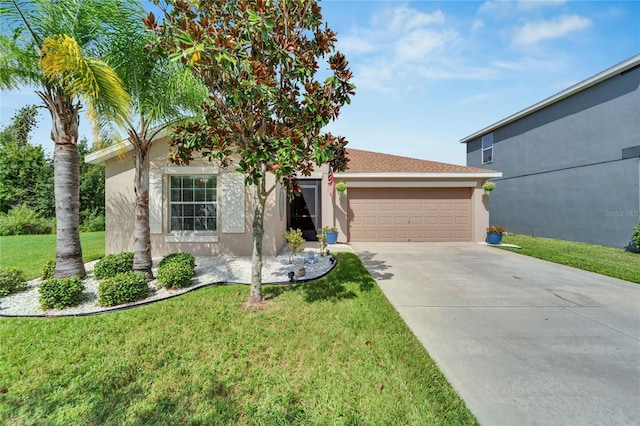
(66, 174)
(141, 232)
(66, 183)
(256, 256)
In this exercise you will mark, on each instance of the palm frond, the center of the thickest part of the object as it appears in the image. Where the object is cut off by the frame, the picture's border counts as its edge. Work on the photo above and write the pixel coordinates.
(89, 79)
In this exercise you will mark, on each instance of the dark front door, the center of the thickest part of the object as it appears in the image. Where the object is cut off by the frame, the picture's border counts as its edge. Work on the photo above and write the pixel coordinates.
(304, 210)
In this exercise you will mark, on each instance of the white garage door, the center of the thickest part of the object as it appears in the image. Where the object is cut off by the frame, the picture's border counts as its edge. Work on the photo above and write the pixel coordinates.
(433, 214)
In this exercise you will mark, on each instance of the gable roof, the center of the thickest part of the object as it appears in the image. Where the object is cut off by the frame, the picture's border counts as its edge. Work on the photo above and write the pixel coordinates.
(370, 163)
(620, 68)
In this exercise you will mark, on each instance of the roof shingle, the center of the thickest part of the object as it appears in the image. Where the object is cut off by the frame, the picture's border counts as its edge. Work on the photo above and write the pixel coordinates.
(361, 161)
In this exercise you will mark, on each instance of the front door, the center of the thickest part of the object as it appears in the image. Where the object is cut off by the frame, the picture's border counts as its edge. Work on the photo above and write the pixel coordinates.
(304, 210)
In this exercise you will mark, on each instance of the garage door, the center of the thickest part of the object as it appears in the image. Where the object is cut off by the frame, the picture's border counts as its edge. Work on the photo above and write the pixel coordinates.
(433, 214)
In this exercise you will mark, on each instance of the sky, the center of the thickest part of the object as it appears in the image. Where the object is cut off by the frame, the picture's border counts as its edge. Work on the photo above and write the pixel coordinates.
(429, 73)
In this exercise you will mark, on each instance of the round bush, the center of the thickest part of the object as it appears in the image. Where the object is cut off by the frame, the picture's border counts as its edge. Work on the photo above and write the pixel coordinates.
(61, 293)
(113, 264)
(175, 274)
(11, 281)
(179, 257)
(125, 287)
(49, 270)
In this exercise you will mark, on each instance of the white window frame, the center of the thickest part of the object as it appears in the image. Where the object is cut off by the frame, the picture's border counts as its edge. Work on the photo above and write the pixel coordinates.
(191, 236)
(489, 149)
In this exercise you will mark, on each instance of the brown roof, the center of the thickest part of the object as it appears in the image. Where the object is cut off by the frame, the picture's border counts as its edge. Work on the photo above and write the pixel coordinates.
(374, 162)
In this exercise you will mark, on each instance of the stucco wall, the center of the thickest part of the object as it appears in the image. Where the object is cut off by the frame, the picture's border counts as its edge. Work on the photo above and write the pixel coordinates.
(230, 241)
(564, 172)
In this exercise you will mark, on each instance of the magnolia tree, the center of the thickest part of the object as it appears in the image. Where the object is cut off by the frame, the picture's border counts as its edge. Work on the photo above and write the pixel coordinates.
(267, 104)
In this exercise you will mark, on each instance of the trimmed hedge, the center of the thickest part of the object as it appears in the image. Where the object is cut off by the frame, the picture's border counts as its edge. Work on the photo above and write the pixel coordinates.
(113, 264)
(125, 287)
(12, 280)
(178, 257)
(61, 293)
(176, 270)
(49, 270)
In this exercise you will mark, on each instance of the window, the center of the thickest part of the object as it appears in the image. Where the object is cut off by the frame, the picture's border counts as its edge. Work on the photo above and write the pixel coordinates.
(487, 148)
(193, 203)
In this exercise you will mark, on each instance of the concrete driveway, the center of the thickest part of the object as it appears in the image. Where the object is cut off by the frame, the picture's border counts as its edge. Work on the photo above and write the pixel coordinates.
(523, 341)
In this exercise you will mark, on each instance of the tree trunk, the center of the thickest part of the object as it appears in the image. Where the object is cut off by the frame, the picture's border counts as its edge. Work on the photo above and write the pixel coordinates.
(67, 194)
(66, 184)
(256, 256)
(142, 233)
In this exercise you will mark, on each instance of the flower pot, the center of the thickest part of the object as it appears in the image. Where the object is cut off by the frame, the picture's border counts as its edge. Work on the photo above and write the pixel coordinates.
(494, 238)
(332, 237)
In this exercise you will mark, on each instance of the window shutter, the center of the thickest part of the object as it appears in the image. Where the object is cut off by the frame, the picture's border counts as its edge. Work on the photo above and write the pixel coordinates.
(232, 205)
(155, 201)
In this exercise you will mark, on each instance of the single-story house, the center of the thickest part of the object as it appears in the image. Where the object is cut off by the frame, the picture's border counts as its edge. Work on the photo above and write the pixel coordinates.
(571, 162)
(205, 210)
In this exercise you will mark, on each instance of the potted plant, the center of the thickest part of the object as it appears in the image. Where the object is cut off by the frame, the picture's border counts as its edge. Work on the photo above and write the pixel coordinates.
(331, 233)
(494, 234)
(488, 187)
(341, 187)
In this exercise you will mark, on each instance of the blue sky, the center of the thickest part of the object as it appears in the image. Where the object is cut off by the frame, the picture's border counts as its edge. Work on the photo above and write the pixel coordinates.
(429, 73)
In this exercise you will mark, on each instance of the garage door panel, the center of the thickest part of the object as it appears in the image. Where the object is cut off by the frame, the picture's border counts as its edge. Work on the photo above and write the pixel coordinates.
(442, 214)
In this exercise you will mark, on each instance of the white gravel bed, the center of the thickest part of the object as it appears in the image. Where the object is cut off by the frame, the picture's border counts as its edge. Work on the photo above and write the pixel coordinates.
(209, 270)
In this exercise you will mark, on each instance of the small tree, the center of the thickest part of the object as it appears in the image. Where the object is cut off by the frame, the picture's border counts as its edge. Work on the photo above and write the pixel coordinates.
(266, 107)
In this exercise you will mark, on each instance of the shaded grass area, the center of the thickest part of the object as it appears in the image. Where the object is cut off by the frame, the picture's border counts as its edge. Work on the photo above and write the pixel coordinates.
(31, 252)
(603, 260)
(331, 351)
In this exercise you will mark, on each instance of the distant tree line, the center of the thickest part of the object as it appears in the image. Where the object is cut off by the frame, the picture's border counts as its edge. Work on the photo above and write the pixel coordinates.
(26, 180)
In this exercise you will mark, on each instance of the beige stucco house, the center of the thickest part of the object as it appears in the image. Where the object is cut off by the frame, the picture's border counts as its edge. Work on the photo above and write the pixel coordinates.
(204, 210)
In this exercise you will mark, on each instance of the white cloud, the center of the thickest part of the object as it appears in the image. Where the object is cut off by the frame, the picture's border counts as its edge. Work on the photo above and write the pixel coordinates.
(534, 32)
(405, 18)
(420, 43)
(477, 24)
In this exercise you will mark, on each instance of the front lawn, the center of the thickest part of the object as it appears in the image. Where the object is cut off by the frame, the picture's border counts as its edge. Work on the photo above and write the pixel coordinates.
(332, 351)
(31, 252)
(603, 260)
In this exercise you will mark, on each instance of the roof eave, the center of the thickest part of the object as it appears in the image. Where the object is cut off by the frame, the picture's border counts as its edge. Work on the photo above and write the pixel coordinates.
(100, 157)
(583, 85)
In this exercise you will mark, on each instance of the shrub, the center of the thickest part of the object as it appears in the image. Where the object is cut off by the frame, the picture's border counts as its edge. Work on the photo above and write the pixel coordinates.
(175, 274)
(113, 264)
(21, 220)
(61, 293)
(125, 287)
(92, 221)
(180, 258)
(49, 270)
(11, 281)
(636, 235)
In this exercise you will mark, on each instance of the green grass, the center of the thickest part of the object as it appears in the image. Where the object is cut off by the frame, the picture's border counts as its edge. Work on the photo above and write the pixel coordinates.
(31, 252)
(603, 260)
(329, 352)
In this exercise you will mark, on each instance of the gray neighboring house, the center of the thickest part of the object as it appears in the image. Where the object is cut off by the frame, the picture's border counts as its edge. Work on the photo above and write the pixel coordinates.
(570, 163)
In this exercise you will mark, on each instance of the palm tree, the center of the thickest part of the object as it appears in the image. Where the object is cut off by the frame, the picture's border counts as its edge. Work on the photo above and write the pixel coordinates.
(51, 45)
(162, 94)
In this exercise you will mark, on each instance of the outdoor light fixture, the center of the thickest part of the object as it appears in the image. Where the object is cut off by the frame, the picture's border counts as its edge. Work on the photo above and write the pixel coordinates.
(290, 274)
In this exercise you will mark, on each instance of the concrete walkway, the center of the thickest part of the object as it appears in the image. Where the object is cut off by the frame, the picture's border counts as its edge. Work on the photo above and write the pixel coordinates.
(523, 341)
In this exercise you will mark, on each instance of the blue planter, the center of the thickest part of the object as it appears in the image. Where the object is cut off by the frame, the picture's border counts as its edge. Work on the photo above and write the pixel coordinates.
(494, 238)
(332, 237)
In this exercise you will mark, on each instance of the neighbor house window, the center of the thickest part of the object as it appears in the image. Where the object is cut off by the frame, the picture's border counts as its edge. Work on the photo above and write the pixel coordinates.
(193, 203)
(487, 148)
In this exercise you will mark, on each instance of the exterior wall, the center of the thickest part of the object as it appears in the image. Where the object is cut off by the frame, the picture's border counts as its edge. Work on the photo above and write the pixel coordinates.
(570, 170)
(234, 240)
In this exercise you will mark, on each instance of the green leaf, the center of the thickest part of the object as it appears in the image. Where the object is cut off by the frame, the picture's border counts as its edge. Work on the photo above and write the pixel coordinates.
(253, 16)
